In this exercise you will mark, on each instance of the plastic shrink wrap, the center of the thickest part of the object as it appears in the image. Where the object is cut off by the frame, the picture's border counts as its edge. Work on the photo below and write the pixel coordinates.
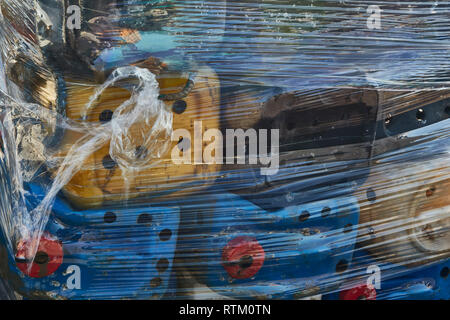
(224, 149)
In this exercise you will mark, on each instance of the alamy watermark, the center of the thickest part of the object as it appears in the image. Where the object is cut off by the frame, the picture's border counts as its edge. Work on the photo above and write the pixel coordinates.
(374, 19)
(231, 148)
(374, 280)
(73, 17)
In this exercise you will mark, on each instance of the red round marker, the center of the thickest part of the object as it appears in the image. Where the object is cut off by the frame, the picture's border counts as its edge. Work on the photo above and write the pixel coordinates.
(362, 292)
(243, 257)
(47, 260)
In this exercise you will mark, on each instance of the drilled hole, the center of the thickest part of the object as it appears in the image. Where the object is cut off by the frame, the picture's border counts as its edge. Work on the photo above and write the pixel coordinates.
(41, 257)
(179, 106)
(105, 116)
(245, 262)
(326, 211)
(420, 115)
(165, 235)
(144, 218)
(341, 266)
(304, 216)
(108, 163)
(110, 217)
(444, 272)
(162, 265)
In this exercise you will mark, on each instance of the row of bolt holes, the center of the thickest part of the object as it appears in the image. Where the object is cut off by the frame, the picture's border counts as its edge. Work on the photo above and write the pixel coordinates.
(420, 115)
(342, 265)
(178, 107)
(326, 211)
(371, 196)
(164, 235)
(144, 218)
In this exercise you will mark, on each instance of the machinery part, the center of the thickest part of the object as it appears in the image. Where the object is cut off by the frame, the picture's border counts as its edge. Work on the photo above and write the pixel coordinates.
(403, 111)
(110, 253)
(233, 246)
(47, 259)
(405, 204)
(307, 119)
(337, 129)
(243, 257)
(103, 180)
(409, 228)
(325, 141)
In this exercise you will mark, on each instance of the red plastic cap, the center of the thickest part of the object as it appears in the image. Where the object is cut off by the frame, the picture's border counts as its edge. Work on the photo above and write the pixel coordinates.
(243, 257)
(362, 292)
(49, 257)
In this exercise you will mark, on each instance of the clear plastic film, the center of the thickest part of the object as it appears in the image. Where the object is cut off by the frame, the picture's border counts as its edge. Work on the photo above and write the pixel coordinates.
(224, 149)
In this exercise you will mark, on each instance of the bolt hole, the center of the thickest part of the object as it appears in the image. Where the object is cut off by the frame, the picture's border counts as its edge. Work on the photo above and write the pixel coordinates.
(246, 262)
(105, 116)
(162, 265)
(444, 272)
(420, 115)
(326, 211)
(179, 106)
(144, 218)
(341, 266)
(108, 163)
(165, 235)
(41, 257)
(447, 110)
(110, 217)
(304, 216)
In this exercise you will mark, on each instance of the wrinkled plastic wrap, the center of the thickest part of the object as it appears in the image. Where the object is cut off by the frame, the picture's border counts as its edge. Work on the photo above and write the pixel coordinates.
(224, 149)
